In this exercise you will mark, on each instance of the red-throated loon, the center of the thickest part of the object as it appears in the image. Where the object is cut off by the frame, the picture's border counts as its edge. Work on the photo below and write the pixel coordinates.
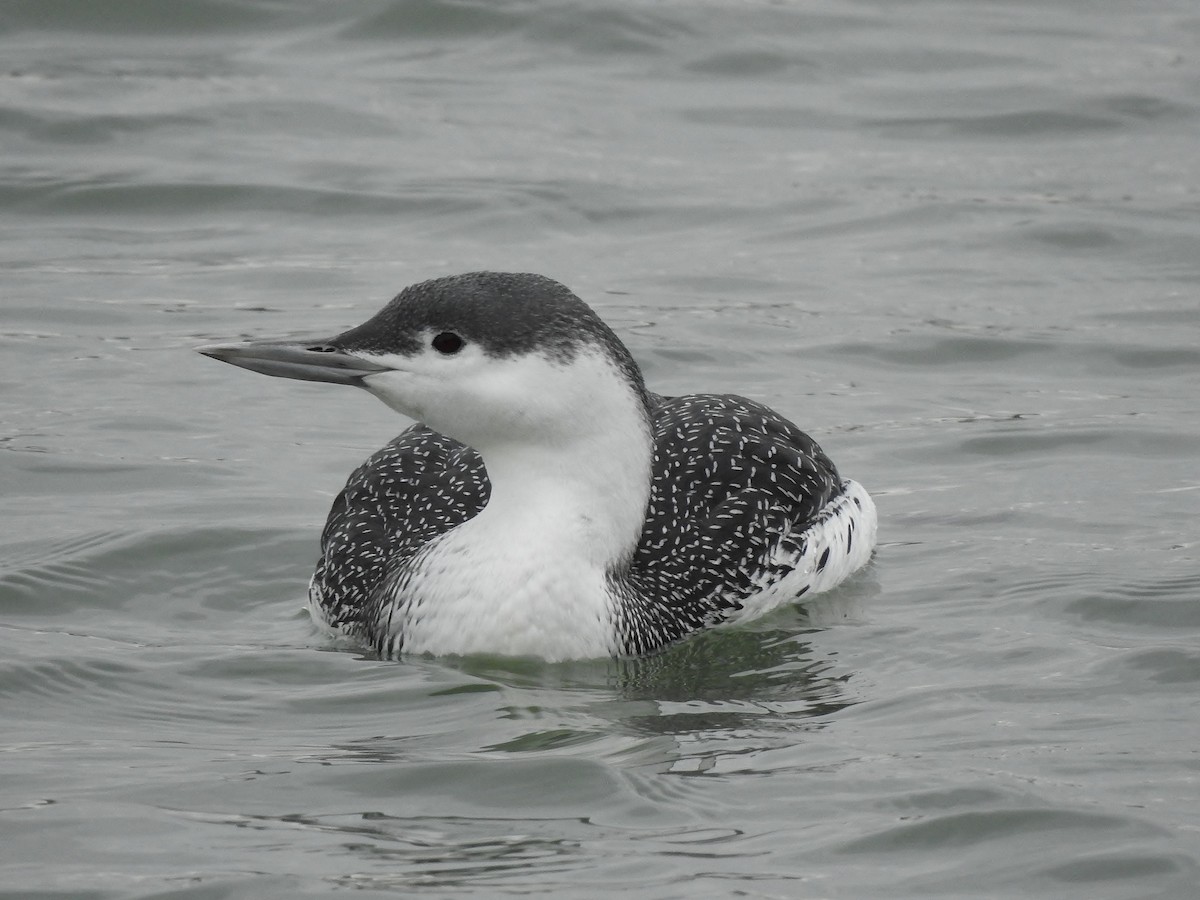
(546, 503)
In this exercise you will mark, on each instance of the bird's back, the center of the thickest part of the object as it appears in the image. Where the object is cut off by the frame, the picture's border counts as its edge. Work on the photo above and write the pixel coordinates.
(736, 488)
(735, 493)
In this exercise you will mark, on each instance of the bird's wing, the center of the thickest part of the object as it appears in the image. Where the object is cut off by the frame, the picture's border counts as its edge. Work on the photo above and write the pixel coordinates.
(735, 488)
(418, 486)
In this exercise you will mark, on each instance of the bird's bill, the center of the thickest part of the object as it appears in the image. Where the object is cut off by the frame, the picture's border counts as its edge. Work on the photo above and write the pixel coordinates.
(303, 361)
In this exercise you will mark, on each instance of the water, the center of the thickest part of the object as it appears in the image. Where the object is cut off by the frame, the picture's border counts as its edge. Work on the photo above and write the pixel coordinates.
(956, 241)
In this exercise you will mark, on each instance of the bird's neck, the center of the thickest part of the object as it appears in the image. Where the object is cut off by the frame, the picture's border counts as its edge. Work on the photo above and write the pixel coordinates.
(531, 574)
(582, 500)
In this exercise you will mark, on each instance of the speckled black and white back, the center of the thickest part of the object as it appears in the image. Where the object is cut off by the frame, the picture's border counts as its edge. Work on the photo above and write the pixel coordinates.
(745, 512)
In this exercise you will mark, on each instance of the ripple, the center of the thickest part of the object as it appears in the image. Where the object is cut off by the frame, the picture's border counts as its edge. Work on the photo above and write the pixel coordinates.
(746, 63)
(479, 784)
(1075, 236)
(1165, 666)
(61, 128)
(965, 829)
(610, 29)
(1114, 868)
(431, 18)
(783, 117)
(177, 197)
(1035, 123)
(140, 571)
(1171, 602)
(185, 17)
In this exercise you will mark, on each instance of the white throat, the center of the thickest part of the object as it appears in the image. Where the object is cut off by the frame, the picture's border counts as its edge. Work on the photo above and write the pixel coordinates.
(570, 481)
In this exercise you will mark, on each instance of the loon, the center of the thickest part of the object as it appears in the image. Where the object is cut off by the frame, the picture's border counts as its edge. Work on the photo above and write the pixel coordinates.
(546, 503)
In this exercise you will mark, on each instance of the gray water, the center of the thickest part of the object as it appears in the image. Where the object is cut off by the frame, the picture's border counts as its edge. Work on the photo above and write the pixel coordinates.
(958, 242)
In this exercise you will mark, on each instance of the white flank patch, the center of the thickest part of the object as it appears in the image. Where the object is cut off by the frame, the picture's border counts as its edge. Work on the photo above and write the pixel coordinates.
(847, 534)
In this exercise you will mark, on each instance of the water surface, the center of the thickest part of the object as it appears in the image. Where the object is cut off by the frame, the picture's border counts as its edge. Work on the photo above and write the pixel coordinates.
(954, 241)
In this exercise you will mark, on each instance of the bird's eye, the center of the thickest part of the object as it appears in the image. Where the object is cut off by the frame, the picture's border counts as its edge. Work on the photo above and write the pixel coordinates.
(447, 343)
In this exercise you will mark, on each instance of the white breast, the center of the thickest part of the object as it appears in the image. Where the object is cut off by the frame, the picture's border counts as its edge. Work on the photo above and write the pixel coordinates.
(526, 595)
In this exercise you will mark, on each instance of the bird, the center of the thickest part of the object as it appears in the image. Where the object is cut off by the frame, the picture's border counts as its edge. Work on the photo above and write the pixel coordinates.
(545, 503)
